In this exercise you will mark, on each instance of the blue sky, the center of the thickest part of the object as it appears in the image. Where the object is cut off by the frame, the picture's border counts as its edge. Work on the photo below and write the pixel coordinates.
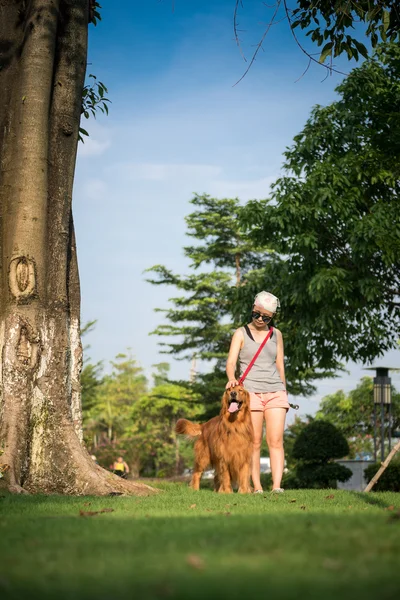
(179, 125)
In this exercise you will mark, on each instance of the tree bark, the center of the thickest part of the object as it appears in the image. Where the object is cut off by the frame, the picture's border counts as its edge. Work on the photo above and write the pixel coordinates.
(43, 46)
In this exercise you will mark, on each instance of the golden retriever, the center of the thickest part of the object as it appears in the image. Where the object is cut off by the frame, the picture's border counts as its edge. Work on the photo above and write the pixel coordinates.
(224, 442)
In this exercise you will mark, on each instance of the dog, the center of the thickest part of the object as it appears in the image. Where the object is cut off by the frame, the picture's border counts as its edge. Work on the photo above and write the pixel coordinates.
(224, 442)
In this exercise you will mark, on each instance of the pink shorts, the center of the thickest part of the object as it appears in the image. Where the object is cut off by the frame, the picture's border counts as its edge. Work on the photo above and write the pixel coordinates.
(269, 400)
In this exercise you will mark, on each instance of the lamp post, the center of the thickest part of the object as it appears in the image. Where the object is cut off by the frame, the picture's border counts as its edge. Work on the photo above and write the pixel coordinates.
(382, 401)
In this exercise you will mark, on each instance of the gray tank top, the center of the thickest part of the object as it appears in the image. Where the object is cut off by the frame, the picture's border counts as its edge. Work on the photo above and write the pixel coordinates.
(263, 376)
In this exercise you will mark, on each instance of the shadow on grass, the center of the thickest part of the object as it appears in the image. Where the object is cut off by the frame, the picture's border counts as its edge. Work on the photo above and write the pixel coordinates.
(371, 499)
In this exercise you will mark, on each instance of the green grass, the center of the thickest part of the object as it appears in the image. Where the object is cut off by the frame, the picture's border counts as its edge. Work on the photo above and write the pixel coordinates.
(187, 545)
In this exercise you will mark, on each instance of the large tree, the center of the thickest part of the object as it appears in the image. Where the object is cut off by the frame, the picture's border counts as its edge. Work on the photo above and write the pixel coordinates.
(225, 262)
(334, 218)
(43, 62)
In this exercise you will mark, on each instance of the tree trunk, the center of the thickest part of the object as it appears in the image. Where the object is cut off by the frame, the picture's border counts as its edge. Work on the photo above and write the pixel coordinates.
(237, 268)
(43, 45)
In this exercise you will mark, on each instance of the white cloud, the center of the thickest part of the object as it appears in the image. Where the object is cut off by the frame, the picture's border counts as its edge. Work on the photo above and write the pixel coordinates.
(93, 189)
(92, 147)
(163, 172)
(245, 190)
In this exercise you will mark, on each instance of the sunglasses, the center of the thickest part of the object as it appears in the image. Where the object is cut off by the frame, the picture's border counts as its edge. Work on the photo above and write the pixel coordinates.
(257, 315)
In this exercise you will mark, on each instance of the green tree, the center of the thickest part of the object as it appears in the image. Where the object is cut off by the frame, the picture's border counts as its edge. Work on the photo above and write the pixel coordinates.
(151, 444)
(353, 415)
(336, 27)
(334, 215)
(332, 25)
(215, 302)
(201, 320)
(116, 397)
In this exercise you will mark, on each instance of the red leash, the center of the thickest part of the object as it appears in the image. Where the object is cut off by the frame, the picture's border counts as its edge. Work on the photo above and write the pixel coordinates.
(253, 360)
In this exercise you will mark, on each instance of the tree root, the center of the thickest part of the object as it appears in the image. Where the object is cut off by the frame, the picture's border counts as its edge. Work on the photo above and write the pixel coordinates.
(12, 489)
(94, 482)
(104, 483)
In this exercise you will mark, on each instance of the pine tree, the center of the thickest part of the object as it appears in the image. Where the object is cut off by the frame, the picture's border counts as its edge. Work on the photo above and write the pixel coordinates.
(202, 320)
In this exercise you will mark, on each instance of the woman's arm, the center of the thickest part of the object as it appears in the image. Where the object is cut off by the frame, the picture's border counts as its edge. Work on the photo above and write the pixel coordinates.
(236, 344)
(280, 356)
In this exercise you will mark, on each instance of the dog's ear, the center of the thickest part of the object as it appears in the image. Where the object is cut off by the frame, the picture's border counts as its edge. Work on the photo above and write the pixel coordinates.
(225, 399)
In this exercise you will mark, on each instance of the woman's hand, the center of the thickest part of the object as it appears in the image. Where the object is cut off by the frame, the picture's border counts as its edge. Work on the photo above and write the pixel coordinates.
(231, 383)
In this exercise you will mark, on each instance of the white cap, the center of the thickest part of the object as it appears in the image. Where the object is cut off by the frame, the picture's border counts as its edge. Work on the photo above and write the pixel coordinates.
(267, 301)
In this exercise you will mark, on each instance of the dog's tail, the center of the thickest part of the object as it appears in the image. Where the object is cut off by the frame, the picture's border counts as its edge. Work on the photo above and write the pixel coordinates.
(188, 428)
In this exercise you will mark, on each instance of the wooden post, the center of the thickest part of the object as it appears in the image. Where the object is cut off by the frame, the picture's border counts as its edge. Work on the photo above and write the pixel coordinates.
(385, 464)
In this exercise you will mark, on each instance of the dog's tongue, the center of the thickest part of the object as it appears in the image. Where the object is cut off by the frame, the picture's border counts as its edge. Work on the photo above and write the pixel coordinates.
(233, 407)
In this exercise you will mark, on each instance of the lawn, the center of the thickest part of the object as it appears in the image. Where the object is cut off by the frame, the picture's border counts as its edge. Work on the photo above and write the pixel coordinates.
(187, 545)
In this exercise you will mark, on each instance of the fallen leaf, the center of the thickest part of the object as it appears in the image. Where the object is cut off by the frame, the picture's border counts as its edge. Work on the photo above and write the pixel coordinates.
(88, 513)
(330, 497)
(351, 506)
(294, 500)
(192, 506)
(87, 504)
(209, 509)
(303, 507)
(391, 507)
(228, 514)
(195, 561)
(92, 513)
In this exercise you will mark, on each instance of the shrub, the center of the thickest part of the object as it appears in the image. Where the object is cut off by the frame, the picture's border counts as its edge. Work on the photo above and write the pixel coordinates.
(389, 481)
(315, 448)
(312, 475)
(320, 441)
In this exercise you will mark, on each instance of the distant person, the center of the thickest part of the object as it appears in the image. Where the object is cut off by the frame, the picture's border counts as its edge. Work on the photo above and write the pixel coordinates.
(120, 467)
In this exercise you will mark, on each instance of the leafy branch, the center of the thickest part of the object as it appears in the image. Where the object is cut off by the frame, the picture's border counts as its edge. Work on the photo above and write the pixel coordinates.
(93, 99)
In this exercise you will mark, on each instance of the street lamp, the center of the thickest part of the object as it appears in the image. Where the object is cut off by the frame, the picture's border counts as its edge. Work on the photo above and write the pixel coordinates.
(382, 399)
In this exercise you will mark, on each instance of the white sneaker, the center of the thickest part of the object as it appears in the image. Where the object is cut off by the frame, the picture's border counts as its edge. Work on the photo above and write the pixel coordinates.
(258, 492)
(278, 491)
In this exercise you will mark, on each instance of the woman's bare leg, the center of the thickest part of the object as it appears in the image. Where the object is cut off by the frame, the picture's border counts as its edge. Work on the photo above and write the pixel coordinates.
(257, 419)
(275, 424)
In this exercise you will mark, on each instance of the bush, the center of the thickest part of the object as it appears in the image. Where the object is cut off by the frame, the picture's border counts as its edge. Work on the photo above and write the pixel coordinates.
(315, 448)
(389, 481)
(312, 475)
(320, 441)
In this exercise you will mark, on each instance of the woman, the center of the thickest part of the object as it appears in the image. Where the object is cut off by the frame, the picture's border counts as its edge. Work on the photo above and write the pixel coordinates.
(265, 382)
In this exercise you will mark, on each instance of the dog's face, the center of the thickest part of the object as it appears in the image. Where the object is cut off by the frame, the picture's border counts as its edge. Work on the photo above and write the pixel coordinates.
(235, 402)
